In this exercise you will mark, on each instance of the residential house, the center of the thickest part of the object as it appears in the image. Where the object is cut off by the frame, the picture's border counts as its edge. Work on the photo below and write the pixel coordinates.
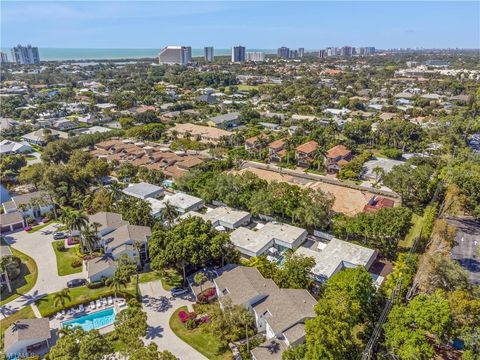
(11, 221)
(336, 255)
(369, 171)
(64, 124)
(40, 136)
(256, 143)
(143, 190)
(336, 157)
(276, 150)
(27, 336)
(273, 237)
(117, 237)
(207, 98)
(8, 147)
(182, 202)
(279, 313)
(225, 121)
(305, 153)
(34, 204)
(223, 217)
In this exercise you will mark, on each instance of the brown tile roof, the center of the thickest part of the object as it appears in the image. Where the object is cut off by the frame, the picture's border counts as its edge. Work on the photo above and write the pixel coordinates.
(308, 147)
(338, 151)
(174, 171)
(277, 144)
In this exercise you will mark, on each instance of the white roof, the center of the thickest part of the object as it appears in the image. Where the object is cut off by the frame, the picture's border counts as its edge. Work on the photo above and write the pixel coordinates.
(336, 255)
(222, 214)
(181, 201)
(258, 241)
(7, 146)
(386, 164)
(143, 190)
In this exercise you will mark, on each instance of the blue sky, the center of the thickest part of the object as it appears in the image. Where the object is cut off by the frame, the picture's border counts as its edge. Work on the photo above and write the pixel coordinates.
(267, 25)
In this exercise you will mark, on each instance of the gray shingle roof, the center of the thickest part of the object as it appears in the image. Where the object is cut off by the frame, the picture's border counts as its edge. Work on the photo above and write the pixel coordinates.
(25, 330)
(11, 218)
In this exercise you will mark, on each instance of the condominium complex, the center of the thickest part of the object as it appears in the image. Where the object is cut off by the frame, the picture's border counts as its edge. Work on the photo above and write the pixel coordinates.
(3, 57)
(346, 51)
(208, 53)
(238, 54)
(180, 55)
(287, 53)
(255, 56)
(25, 55)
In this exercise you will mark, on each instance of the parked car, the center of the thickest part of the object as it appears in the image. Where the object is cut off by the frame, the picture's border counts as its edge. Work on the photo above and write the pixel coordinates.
(178, 291)
(59, 235)
(76, 282)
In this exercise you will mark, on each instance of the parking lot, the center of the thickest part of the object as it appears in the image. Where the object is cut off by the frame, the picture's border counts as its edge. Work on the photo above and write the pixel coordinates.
(467, 246)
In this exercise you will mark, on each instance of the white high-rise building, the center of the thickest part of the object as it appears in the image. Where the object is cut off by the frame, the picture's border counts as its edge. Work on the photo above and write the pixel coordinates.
(301, 52)
(180, 55)
(25, 54)
(255, 56)
(3, 57)
(208, 53)
(238, 54)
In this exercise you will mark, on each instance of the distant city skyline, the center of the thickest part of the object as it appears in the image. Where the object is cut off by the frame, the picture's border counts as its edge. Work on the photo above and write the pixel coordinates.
(261, 25)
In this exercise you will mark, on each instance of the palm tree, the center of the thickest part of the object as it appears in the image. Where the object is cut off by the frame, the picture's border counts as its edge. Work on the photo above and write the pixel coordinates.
(288, 146)
(66, 218)
(116, 283)
(5, 263)
(200, 279)
(174, 134)
(137, 245)
(246, 319)
(114, 192)
(61, 297)
(89, 238)
(169, 213)
(78, 220)
(319, 155)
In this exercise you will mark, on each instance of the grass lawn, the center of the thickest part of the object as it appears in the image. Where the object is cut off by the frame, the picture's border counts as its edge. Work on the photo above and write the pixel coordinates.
(65, 259)
(25, 281)
(417, 224)
(152, 276)
(24, 313)
(81, 295)
(243, 87)
(198, 338)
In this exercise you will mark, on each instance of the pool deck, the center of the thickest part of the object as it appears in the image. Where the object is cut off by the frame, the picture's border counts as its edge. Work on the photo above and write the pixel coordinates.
(56, 323)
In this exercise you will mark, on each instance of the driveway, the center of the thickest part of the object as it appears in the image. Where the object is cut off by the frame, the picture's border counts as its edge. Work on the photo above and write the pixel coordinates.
(159, 306)
(467, 244)
(37, 246)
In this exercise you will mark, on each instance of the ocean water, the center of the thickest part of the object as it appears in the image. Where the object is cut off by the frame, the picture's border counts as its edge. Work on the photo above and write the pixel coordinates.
(61, 54)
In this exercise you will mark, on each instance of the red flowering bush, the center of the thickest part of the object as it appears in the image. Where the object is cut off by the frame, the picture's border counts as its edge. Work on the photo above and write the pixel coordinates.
(206, 296)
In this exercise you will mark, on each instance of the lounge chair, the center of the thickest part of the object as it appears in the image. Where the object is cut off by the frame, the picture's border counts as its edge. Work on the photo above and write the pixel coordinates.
(64, 312)
(121, 302)
(110, 300)
(104, 302)
(98, 303)
(81, 308)
(69, 312)
(92, 305)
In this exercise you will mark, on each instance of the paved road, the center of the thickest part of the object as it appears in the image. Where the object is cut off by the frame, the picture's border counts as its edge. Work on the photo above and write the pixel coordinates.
(467, 247)
(159, 306)
(37, 245)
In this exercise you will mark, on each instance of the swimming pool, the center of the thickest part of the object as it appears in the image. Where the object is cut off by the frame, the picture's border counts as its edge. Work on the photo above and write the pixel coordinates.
(93, 321)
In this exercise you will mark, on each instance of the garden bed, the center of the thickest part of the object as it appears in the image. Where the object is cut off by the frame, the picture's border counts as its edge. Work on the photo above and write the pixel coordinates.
(200, 339)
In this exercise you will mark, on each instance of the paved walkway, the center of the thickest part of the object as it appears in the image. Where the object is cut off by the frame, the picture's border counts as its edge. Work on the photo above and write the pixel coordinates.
(159, 306)
(37, 246)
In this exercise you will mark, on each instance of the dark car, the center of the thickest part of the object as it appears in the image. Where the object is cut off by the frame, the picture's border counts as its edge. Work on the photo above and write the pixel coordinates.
(76, 282)
(179, 291)
(59, 235)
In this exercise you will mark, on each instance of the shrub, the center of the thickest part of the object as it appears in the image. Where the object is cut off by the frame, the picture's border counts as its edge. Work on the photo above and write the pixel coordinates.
(191, 324)
(95, 285)
(186, 316)
(60, 246)
(206, 295)
(76, 263)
